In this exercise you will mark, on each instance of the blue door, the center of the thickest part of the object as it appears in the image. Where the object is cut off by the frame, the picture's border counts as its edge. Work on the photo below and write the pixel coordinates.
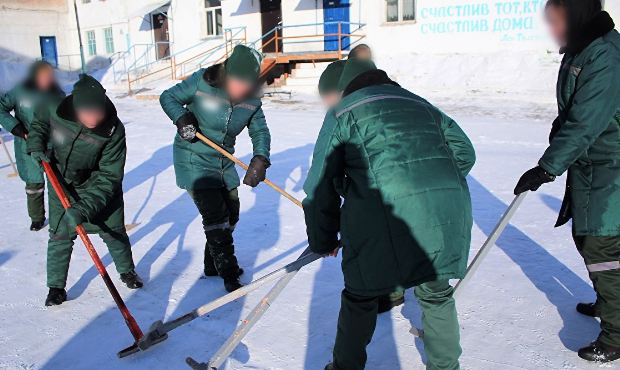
(48, 50)
(336, 12)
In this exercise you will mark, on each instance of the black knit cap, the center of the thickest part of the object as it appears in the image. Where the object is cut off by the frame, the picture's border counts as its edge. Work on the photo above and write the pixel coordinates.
(88, 93)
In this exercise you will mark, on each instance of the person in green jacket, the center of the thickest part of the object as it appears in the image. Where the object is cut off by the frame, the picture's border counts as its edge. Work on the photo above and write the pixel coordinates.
(84, 141)
(331, 96)
(38, 89)
(585, 142)
(400, 165)
(219, 102)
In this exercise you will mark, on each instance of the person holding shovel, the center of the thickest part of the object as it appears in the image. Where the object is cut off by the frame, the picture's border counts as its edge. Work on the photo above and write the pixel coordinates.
(585, 143)
(38, 89)
(400, 165)
(218, 102)
(87, 151)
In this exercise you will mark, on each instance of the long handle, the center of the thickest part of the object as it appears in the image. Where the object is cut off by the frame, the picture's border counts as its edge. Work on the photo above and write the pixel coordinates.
(307, 257)
(490, 242)
(484, 250)
(64, 200)
(246, 325)
(8, 154)
(225, 153)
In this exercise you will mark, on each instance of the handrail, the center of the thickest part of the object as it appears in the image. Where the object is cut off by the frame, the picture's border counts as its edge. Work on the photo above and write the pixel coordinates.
(232, 37)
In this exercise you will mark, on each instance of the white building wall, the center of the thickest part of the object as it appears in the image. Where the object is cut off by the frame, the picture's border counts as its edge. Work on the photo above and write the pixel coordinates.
(307, 17)
(24, 21)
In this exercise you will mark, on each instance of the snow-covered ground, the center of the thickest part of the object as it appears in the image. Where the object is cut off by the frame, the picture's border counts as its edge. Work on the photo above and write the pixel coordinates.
(518, 312)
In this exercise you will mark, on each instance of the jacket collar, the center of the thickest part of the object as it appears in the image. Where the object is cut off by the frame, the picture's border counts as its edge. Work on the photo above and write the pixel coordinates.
(598, 26)
(370, 78)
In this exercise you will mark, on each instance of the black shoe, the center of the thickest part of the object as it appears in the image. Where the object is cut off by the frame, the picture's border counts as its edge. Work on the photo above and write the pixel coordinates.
(55, 297)
(232, 283)
(588, 309)
(132, 280)
(213, 272)
(599, 352)
(37, 225)
(386, 303)
(329, 366)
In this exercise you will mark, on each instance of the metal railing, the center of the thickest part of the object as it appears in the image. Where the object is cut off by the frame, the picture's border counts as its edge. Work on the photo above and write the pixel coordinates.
(346, 35)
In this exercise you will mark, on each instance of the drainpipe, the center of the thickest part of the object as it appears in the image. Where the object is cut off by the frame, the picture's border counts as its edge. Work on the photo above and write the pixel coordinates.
(77, 21)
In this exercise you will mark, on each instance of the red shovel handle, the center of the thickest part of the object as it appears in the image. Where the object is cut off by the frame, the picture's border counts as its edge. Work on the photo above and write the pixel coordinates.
(129, 320)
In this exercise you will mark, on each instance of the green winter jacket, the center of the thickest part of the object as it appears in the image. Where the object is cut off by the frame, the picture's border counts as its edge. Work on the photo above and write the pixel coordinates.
(406, 218)
(587, 137)
(198, 166)
(24, 100)
(89, 163)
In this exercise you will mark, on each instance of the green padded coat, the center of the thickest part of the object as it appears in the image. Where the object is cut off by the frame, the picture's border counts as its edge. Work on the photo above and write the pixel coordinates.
(23, 101)
(587, 141)
(400, 165)
(90, 164)
(198, 166)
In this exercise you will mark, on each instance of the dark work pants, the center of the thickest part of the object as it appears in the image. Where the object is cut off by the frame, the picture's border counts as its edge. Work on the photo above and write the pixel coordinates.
(602, 258)
(219, 209)
(358, 318)
(36, 202)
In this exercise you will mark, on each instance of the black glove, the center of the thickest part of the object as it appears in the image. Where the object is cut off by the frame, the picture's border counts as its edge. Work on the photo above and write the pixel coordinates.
(187, 127)
(256, 171)
(533, 179)
(20, 131)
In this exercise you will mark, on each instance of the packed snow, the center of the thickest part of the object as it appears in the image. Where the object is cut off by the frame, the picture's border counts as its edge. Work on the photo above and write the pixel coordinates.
(518, 312)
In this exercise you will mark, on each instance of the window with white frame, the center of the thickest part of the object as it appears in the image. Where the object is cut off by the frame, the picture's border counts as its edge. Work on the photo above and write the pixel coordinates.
(399, 10)
(91, 41)
(213, 25)
(109, 40)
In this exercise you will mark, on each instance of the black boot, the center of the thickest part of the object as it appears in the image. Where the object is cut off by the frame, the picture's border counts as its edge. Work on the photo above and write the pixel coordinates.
(37, 225)
(389, 301)
(232, 283)
(599, 352)
(329, 366)
(55, 297)
(210, 269)
(588, 309)
(132, 280)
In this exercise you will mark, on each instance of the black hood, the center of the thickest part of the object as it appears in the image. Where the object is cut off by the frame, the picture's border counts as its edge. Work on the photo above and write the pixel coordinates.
(30, 81)
(215, 75)
(366, 79)
(66, 111)
(586, 22)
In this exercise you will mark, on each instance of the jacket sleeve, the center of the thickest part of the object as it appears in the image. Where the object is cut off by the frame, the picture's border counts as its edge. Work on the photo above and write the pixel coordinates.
(107, 180)
(8, 102)
(322, 202)
(259, 133)
(174, 100)
(39, 134)
(594, 104)
(460, 145)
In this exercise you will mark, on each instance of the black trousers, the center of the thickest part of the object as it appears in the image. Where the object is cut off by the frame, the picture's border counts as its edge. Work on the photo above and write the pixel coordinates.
(219, 209)
(602, 257)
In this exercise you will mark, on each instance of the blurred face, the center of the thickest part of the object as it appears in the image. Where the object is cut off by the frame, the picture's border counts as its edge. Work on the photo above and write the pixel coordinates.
(364, 54)
(238, 89)
(557, 21)
(331, 99)
(44, 78)
(90, 118)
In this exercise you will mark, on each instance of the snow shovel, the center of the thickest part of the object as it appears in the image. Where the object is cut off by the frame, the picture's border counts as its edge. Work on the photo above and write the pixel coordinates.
(8, 154)
(246, 325)
(133, 326)
(159, 330)
(225, 153)
(482, 253)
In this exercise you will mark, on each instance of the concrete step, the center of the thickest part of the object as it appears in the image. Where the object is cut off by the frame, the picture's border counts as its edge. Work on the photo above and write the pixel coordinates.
(322, 65)
(312, 81)
(307, 72)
